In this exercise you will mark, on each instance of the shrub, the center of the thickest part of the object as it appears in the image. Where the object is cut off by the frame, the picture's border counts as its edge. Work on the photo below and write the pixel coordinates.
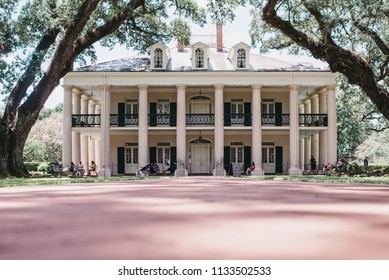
(44, 167)
(354, 168)
(32, 165)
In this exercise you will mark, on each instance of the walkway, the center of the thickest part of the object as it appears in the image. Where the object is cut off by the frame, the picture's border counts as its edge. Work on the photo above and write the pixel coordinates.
(195, 218)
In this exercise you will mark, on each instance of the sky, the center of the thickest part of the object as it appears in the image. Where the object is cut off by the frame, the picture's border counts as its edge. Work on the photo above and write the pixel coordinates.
(233, 33)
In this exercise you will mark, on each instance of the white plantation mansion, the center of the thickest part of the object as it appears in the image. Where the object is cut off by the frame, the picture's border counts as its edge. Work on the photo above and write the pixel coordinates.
(198, 109)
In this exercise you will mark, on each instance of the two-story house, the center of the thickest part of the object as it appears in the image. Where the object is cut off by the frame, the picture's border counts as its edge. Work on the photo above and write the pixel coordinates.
(197, 110)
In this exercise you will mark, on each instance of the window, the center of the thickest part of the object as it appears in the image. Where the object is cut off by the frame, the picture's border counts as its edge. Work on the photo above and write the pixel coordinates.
(237, 154)
(131, 153)
(241, 59)
(237, 113)
(163, 112)
(158, 58)
(132, 107)
(199, 57)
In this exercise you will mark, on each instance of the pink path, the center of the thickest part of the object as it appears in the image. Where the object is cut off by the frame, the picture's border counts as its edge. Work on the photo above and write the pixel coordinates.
(195, 218)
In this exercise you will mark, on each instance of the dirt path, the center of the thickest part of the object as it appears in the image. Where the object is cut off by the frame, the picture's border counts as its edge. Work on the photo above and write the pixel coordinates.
(195, 218)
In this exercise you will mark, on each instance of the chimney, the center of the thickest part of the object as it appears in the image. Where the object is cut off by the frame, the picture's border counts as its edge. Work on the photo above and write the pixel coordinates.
(180, 47)
(219, 37)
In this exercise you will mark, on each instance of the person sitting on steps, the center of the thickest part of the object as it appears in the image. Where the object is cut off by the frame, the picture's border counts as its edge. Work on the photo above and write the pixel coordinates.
(250, 169)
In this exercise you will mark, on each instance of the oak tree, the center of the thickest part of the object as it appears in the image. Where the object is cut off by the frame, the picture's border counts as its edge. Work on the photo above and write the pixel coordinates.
(40, 40)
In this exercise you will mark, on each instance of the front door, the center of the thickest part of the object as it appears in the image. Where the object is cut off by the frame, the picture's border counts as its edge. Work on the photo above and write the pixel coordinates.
(268, 159)
(200, 154)
(131, 158)
(163, 158)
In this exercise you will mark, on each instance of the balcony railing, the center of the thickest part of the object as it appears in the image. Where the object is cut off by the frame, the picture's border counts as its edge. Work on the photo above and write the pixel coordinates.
(200, 119)
(123, 119)
(88, 120)
(313, 119)
(162, 120)
(275, 119)
(237, 119)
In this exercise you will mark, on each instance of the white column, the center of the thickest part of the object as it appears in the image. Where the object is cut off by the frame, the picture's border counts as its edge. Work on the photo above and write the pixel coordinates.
(332, 133)
(181, 131)
(315, 137)
(294, 131)
(98, 141)
(105, 135)
(84, 134)
(76, 156)
(91, 138)
(256, 145)
(323, 134)
(219, 131)
(301, 142)
(143, 142)
(67, 126)
(307, 140)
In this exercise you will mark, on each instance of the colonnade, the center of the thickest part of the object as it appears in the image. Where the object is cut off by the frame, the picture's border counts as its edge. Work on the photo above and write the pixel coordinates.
(83, 146)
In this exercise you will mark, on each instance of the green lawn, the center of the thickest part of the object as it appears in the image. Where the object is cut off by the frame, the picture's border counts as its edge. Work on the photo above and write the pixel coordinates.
(9, 182)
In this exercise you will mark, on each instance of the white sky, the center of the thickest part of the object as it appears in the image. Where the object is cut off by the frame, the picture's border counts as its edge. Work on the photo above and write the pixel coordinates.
(233, 33)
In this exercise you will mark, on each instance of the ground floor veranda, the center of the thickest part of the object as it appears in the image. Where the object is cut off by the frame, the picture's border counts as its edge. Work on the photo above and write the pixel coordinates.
(271, 153)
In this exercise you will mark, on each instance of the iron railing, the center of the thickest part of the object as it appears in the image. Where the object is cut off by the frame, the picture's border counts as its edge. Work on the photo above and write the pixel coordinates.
(200, 119)
(237, 119)
(275, 119)
(123, 119)
(162, 119)
(88, 120)
(313, 119)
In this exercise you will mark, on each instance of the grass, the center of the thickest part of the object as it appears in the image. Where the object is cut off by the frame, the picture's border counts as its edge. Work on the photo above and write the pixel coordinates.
(9, 182)
(327, 179)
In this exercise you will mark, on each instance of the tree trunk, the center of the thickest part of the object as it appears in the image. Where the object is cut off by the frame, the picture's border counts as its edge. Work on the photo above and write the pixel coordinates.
(11, 155)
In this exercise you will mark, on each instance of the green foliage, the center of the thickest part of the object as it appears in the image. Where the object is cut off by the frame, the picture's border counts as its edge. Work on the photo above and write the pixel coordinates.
(354, 168)
(351, 105)
(44, 167)
(32, 166)
(223, 11)
(375, 147)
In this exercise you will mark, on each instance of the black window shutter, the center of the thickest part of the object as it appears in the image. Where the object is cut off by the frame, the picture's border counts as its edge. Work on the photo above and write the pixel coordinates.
(173, 114)
(247, 157)
(279, 159)
(120, 159)
(153, 114)
(153, 154)
(227, 160)
(247, 114)
(121, 114)
(227, 114)
(173, 160)
(278, 111)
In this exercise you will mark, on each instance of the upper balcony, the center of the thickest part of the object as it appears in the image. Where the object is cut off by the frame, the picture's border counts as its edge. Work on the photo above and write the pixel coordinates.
(161, 120)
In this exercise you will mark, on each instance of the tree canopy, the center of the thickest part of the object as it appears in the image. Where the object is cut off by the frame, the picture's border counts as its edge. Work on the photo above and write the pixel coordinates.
(350, 35)
(40, 40)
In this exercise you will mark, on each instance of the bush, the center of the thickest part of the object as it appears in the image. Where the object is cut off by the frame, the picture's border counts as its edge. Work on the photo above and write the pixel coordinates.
(354, 168)
(32, 165)
(44, 167)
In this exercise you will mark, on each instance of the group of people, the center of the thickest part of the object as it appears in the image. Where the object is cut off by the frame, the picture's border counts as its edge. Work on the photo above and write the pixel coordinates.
(79, 170)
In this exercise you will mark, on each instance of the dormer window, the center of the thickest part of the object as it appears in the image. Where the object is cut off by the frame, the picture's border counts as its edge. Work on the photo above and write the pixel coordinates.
(241, 58)
(158, 58)
(199, 58)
